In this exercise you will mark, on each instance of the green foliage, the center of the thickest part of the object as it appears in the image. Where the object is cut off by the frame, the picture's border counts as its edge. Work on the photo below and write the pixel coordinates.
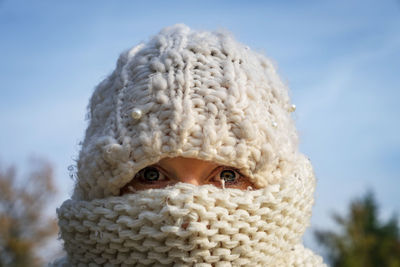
(24, 227)
(363, 240)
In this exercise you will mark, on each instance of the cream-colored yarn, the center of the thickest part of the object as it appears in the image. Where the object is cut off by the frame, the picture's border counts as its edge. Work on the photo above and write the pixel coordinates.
(187, 225)
(199, 95)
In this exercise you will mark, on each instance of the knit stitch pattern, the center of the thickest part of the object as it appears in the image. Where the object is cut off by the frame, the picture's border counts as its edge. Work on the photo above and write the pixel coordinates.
(187, 225)
(202, 95)
(198, 95)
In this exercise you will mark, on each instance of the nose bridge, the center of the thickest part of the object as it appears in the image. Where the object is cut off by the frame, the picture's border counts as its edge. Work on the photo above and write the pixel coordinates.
(190, 179)
(187, 170)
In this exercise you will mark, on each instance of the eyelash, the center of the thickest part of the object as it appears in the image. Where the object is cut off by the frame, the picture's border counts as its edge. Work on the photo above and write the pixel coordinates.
(219, 172)
(215, 176)
(140, 175)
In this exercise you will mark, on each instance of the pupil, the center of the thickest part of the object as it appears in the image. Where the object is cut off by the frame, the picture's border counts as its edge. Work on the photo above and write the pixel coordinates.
(151, 174)
(228, 175)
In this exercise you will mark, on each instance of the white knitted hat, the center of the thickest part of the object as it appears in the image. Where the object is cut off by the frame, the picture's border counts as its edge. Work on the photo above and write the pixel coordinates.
(198, 95)
(191, 94)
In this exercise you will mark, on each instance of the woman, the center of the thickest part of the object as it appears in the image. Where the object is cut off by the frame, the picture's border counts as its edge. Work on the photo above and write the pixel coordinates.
(190, 159)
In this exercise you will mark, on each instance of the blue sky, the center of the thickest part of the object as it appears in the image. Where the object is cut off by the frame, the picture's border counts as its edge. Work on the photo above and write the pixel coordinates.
(341, 60)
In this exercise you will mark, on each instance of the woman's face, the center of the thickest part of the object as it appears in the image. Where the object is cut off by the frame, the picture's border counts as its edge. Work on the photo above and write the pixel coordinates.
(170, 171)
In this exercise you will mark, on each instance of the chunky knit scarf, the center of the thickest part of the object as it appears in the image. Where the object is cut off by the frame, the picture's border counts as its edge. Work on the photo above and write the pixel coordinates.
(198, 95)
(185, 225)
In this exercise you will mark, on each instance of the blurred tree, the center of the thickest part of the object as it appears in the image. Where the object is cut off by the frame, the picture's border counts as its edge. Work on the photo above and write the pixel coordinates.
(24, 226)
(363, 240)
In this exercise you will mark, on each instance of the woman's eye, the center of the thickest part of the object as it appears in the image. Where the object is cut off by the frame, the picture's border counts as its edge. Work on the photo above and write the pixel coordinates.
(150, 174)
(229, 176)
